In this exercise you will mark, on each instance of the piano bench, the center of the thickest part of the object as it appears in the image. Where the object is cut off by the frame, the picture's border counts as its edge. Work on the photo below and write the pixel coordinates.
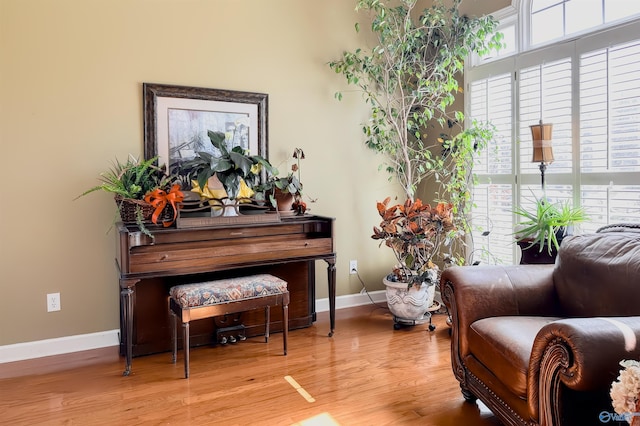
(227, 296)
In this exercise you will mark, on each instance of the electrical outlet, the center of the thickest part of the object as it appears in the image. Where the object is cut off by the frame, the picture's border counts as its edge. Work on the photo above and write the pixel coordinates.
(53, 302)
(353, 267)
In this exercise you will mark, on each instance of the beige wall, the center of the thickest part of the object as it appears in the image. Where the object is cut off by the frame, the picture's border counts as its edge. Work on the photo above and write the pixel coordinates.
(71, 74)
(484, 7)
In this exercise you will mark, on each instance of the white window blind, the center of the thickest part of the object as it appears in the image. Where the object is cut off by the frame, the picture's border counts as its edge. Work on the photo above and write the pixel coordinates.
(610, 204)
(554, 194)
(545, 93)
(610, 134)
(491, 225)
(589, 88)
(491, 218)
(610, 109)
(491, 101)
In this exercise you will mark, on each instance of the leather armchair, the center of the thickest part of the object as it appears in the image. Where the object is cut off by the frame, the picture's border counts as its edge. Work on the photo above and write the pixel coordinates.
(541, 344)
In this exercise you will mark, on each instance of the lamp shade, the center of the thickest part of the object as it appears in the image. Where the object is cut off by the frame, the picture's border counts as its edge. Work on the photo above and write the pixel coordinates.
(542, 150)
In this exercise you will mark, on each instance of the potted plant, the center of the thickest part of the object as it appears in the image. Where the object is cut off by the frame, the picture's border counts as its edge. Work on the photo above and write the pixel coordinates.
(410, 80)
(415, 232)
(286, 191)
(232, 168)
(143, 192)
(545, 226)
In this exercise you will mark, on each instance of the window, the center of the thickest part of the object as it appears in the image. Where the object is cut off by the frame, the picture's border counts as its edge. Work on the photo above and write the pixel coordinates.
(491, 217)
(491, 224)
(545, 94)
(491, 101)
(555, 19)
(610, 113)
(589, 88)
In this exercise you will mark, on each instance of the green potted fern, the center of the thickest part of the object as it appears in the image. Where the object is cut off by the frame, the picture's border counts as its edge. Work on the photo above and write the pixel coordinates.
(140, 188)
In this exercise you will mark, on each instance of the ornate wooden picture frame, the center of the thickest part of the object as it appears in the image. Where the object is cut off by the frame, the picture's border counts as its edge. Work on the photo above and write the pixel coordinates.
(177, 118)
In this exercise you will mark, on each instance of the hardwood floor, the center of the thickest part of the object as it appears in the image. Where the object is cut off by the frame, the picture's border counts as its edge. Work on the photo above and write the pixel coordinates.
(368, 373)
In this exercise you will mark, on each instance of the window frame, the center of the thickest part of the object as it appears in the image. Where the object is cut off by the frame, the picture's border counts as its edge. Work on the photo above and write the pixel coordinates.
(573, 47)
(522, 10)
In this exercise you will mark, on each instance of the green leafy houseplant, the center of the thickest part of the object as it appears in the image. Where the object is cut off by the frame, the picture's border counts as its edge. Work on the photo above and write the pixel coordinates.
(132, 179)
(547, 224)
(289, 184)
(410, 80)
(131, 182)
(231, 166)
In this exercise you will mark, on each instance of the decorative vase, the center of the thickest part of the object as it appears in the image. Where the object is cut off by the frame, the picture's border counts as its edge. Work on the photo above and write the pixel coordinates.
(284, 200)
(409, 303)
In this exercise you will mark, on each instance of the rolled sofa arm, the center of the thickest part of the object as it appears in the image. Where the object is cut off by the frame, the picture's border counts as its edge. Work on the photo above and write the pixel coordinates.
(593, 346)
(475, 292)
(582, 354)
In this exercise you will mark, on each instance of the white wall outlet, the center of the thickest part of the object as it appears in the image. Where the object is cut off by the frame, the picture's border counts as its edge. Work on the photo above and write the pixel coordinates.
(53, 302)
(353, 267)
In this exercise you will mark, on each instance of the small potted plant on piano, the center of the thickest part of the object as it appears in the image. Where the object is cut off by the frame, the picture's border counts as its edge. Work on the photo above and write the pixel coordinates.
(144, 192)
(286, 191)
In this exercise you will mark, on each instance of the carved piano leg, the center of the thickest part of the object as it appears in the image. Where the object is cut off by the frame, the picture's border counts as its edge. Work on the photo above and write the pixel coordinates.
(127, 303)
(331, 275)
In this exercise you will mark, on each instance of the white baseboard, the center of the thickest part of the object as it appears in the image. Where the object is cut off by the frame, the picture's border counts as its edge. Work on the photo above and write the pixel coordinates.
(350, 300)
(58, 346)
(85, 342)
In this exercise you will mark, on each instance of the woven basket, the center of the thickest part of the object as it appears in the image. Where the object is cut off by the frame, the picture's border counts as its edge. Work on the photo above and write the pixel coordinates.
(128, 210)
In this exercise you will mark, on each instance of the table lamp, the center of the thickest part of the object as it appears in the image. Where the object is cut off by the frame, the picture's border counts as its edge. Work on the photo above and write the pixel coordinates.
(542, 150)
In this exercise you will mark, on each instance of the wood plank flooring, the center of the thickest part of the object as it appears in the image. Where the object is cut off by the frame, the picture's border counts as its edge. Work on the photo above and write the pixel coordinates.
(367, 374)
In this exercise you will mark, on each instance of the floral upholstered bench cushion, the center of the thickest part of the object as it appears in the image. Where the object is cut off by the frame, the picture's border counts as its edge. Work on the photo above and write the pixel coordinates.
(227, 290)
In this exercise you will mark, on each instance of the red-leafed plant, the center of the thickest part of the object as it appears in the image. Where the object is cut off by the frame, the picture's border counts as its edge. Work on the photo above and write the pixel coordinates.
(416, 232)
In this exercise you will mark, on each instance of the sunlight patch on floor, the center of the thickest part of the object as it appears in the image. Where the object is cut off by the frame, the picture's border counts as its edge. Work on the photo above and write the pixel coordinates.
(299, 388)
(323, 419)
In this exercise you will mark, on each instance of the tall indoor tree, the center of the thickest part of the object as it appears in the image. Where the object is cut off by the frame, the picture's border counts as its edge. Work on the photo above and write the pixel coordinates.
(410, 80)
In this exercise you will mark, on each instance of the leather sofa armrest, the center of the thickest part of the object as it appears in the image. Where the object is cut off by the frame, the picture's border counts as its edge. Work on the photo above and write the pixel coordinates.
(475, 292)
(582, 354)
(592, 349)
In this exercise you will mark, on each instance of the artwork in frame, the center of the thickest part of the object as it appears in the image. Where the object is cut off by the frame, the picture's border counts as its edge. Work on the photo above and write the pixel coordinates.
(178, 118)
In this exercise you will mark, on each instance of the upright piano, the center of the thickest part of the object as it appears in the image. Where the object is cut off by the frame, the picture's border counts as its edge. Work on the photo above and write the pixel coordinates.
(148, 267)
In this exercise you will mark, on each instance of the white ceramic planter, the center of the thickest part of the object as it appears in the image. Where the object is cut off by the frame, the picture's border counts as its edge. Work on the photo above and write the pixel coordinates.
(409, 303)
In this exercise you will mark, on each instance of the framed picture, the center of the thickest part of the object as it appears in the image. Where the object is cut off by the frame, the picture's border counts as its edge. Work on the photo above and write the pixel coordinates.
(177, 120)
